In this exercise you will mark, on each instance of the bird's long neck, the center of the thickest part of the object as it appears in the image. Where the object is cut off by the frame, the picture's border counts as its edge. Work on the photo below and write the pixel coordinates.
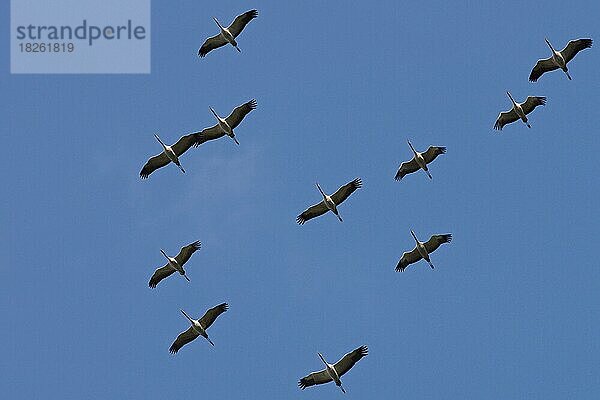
(414, 236)
(321, 190)
(323, 359)
(160, 141)
(165, 254)
(219, 24)
(187, 316)
(511, 98)
(214, 113)
(550, 45)
(412, 148)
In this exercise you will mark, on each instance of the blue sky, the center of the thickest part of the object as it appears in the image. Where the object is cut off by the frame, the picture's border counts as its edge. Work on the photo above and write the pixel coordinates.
(511, 311)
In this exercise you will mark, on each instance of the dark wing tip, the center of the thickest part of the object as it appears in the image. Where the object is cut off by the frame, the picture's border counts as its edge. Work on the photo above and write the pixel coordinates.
(252, 104)
(300, 219)
(224, 307)
(152, 284)
(398, 176)
(442, 149)
(199, 139)
(587, 43)
(173, 349)
(252, 14)
(533, 77)
(303, 383)
(196, 245)
(357, 183)
(202, 52)
(498, 126)
(541, 99)
(447, 238)
(364, 350)
(400, 267)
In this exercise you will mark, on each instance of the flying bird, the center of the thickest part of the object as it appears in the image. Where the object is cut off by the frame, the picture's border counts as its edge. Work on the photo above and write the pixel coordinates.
(519, 111)
(227, 35)
(329, 203)
(174, 264)
(333, 372)
(422, 250)
(198, 327)
(225, 126)
(419, 161)
(559, 59)
(169, 154)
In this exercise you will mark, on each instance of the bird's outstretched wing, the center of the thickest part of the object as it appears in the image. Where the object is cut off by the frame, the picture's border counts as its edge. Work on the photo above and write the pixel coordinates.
(408, 257)
(312, 212)
(154, 163)
(182, 339)
(406, 168)
(238, 113)
(532, 102)
(504, 118)
(541, 67)
(314, 378)
(212, 43)
(240, 22)
(345, 191)
(184, 143)
(186, 252)
(214, 132)
(160, 274)
(348, 361)
(209, 317)
(432, 152)
(574, 47)
(436, 241)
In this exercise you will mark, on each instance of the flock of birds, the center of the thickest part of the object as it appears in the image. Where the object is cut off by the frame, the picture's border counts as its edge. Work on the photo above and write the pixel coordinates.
(420, 160)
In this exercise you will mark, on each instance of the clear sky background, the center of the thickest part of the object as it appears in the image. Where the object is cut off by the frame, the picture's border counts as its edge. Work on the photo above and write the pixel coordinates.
(511, 310)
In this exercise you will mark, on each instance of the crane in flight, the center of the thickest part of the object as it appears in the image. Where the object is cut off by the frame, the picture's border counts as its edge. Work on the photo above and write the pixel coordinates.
(225, 126)
(422, 250)
(333, 372)
(329, 203)
(519, 111)
(198, 327)
(229, 34)
(419, 161)
(559, 59)
(169, 154)
(174, 264)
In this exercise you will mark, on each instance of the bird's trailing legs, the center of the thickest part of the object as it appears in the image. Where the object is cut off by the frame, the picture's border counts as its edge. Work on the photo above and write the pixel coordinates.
(338, 215)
